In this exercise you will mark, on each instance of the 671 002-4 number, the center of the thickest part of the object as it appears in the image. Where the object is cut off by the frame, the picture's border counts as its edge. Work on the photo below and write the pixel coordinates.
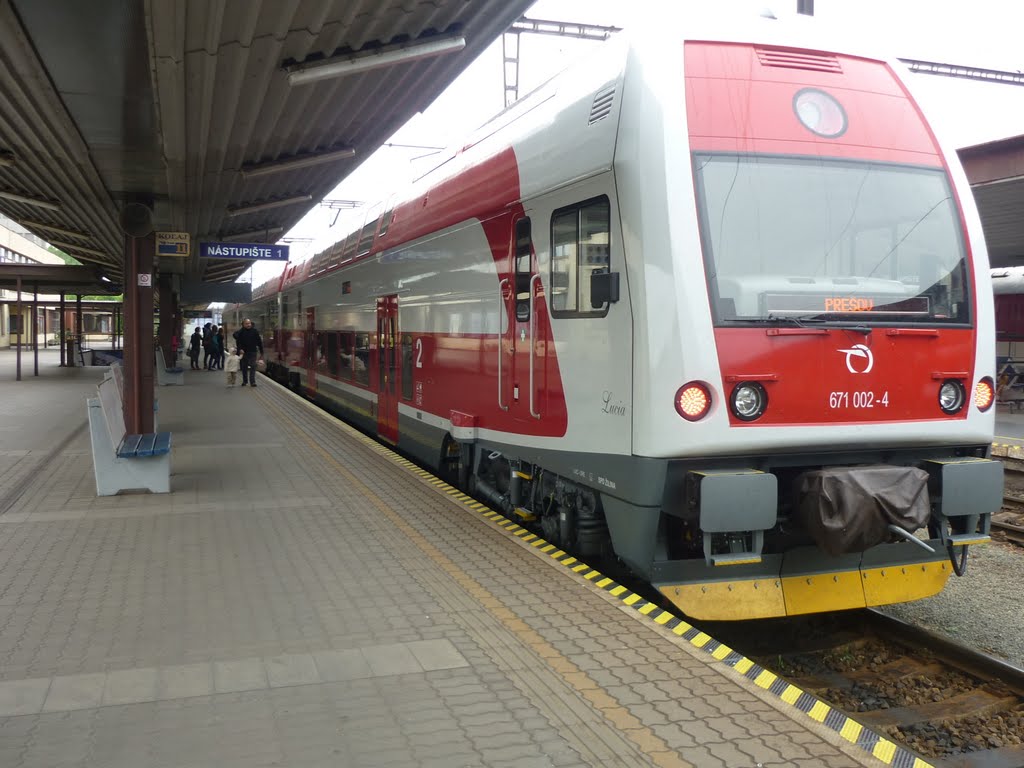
(858, 400)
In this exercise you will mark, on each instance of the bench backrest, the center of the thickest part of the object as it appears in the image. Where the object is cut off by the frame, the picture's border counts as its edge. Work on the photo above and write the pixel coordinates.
(113, 413)
(117, 372)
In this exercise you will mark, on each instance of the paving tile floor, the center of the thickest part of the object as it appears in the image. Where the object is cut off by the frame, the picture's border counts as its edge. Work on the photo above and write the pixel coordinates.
(298, 600)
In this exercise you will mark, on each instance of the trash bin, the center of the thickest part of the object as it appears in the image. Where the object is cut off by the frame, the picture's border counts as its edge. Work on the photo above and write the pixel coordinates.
(69, 343)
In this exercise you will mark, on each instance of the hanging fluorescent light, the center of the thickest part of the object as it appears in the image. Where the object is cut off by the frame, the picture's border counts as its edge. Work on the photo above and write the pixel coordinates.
(299, 161)
(241, 210)
(301, 74)
(36, 201)
(251, 235)
(77, 248)
(30, 224)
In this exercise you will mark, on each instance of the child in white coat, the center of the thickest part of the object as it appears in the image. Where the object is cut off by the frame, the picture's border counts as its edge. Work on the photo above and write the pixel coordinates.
(231, 367)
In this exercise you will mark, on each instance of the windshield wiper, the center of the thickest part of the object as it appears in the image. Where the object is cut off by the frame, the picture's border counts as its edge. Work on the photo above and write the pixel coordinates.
(804, 321)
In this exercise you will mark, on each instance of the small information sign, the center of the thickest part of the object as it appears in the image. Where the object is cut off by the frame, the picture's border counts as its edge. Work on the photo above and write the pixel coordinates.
(173, 244)
(250, 251)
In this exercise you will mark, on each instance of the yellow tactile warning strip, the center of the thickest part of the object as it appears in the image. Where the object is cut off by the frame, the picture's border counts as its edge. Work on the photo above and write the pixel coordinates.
(847, 728)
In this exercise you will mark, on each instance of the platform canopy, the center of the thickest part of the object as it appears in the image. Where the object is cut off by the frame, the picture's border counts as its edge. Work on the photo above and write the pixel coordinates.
(996, 173)
(230, 119)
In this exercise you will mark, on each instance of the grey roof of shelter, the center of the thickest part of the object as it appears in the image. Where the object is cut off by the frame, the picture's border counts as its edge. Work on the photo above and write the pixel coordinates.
(164, 101)
(996, 173)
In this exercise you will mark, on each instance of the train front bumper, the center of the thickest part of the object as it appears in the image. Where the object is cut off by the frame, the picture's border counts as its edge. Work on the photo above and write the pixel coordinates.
(805, 580)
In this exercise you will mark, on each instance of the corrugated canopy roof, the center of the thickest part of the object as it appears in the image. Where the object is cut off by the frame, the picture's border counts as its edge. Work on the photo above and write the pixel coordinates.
(166, 101)
(996, 173)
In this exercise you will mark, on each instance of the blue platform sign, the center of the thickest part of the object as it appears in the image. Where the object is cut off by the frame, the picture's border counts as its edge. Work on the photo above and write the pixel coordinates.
(252, 251)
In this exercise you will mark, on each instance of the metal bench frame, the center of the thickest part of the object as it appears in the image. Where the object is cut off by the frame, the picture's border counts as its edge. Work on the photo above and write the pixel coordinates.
(167, 376)
(124, 462)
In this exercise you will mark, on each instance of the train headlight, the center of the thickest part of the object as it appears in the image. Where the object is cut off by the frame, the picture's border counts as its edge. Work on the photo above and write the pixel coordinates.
(748, 401)
(820, 113)
(693, 401)
(984, 394)
(951, 396)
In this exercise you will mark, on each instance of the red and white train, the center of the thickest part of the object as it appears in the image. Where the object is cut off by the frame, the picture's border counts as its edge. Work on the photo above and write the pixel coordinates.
(718, 304)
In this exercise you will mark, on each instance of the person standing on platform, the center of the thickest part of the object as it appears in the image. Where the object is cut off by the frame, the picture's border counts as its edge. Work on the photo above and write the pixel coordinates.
(207, 345)
(232, 366)
(222, 349)
(251, 346)
(195, 344)
(216, 338)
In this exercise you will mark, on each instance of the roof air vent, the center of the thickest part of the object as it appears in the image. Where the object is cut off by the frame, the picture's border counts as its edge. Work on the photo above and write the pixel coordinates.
(790, 59)
(602, 106)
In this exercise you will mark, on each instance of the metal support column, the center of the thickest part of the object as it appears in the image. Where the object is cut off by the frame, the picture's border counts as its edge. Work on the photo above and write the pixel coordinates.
(35, 330)
(21, 322)
(61, 321)
(510, 51)
(139, 363)
(166, 318)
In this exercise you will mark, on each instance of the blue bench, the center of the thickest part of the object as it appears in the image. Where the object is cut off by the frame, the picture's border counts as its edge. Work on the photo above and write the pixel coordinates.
(123, 462)
(167, 376)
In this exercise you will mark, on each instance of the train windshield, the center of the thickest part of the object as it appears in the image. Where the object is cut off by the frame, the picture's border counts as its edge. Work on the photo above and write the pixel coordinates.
(793, 239)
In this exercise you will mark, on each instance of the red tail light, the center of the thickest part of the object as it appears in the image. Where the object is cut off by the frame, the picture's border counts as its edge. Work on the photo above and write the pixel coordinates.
(693, 401)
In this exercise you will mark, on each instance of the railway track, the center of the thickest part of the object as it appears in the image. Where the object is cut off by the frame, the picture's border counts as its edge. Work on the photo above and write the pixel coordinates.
(1009, 522)
(954, 706)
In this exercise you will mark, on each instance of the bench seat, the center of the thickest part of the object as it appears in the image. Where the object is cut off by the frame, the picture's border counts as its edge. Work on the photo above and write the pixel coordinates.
(123, 462)
(138, 446)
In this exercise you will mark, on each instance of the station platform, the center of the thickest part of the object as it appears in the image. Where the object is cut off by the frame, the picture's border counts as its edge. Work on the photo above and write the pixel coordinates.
(306, 597)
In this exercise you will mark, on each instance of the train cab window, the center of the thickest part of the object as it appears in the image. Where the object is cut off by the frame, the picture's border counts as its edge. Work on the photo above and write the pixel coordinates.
(407, 366)
(580, 247)
(332, 353)
(361, 360)
(524, 268)
(346, 355)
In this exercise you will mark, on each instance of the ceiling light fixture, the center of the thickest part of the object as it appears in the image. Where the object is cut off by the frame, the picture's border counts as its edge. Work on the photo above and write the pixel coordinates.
(78, 248)
(299, 161)
(30, 224)
(245, 208)
(37, 201)
(7, 159)
(251, 235)
(339, 66)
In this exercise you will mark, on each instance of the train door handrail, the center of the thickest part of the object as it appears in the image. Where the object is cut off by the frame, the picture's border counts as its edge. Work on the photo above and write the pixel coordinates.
(501, 310)
(533, 346)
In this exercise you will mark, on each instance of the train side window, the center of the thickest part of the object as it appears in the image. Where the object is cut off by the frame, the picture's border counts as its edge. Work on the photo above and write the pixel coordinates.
(361, 361)
(347, 350)
(580, 248)
(407, 366)
(524, 268)
(332, 353)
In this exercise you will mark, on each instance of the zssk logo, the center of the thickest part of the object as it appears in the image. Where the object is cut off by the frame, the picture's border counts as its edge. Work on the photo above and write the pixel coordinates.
(859, 352)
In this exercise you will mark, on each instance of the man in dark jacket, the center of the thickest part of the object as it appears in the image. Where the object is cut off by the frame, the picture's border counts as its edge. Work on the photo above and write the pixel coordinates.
(249, 343)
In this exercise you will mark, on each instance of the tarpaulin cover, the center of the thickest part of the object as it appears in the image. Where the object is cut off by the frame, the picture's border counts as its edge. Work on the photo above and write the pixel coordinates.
(849, 509)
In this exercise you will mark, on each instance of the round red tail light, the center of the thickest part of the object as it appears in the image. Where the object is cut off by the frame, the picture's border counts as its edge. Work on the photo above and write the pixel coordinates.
(693, 401)
(984, 394)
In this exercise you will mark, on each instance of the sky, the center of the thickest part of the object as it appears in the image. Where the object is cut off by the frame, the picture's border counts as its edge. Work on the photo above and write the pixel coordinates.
(961, 111)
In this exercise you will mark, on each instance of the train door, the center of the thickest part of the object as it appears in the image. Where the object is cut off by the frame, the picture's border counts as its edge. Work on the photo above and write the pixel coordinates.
(521, 362)
(312, 350)
(387, 368)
